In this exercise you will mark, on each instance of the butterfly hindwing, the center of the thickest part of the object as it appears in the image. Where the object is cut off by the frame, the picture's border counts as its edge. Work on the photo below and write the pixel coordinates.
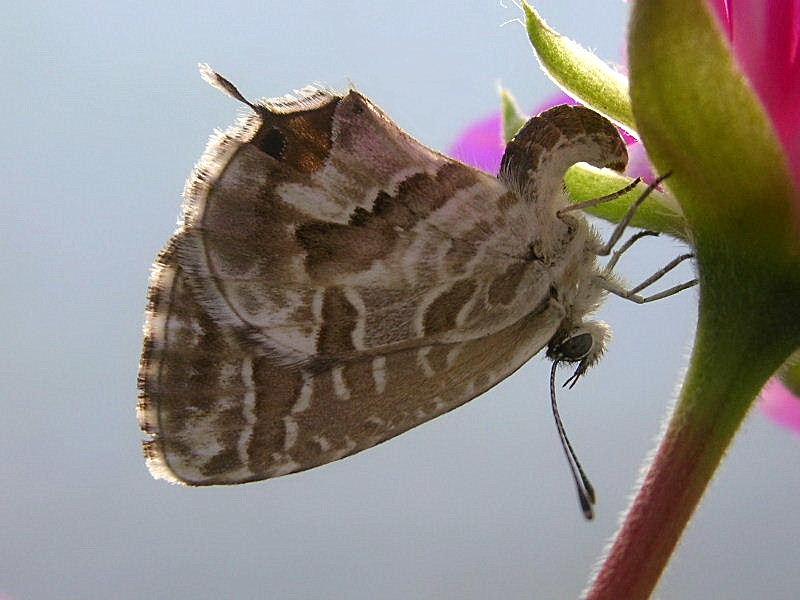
(218, 413)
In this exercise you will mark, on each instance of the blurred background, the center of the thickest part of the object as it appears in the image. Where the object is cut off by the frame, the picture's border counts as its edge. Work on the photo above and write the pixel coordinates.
(103, 116)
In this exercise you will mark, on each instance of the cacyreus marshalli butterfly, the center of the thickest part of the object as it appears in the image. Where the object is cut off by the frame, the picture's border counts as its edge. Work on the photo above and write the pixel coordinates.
(333, 283)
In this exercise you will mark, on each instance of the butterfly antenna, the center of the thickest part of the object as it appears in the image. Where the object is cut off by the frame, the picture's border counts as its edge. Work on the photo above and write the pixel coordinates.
(585, 490)
(213, 78)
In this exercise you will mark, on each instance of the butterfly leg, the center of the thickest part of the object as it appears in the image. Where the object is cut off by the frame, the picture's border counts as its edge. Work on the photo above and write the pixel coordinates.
(661, 272)
(602, 199)
(633, 296)
(630, 242)
(605, 280)
(605, 250)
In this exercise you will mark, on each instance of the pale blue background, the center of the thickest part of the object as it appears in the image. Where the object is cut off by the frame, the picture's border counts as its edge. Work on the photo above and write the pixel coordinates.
(103, 115)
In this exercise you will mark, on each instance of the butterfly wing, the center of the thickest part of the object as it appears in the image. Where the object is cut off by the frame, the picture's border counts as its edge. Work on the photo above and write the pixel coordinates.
(219, 413)
(333, 284)
(318, 221)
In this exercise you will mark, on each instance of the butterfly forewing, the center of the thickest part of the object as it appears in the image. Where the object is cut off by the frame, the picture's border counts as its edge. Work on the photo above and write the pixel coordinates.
(277, 237)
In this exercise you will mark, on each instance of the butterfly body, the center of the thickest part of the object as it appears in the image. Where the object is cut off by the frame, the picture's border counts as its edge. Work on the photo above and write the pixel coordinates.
(334, 283)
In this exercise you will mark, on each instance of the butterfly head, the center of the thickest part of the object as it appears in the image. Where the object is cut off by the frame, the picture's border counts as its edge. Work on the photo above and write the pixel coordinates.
(583, 345)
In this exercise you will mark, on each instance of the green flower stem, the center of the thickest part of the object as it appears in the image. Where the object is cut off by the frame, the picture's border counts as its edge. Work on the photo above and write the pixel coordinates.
(730, 363)
(700, 120)
(687, 457)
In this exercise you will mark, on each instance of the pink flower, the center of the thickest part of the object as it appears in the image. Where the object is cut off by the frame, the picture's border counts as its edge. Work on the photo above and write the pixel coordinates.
(765, 38)
(481, 144)
(765, 35)
(780, 405)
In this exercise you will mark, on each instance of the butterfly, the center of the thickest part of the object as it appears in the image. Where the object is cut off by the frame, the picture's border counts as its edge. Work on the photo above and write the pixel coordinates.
(334, 283)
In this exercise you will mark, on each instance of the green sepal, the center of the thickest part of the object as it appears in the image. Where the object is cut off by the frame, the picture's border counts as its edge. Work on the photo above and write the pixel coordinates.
(658, 213)
(513, 117)
(579, 72)
(700, 120)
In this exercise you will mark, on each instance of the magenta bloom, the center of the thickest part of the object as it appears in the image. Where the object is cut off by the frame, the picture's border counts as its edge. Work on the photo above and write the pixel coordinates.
(780, 405)
(764, 36)
(481, 144)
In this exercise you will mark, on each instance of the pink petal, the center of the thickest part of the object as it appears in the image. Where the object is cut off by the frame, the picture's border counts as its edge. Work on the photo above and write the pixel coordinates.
(639, 163)
(481, 144)
(781, 405)
(765, 36)
(720, 7)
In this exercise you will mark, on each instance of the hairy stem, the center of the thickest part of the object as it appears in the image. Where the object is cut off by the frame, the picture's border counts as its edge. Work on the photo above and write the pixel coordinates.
(687, 457)
(729, 366)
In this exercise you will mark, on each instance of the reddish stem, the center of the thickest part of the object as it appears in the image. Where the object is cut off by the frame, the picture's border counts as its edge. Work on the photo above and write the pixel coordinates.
(686, 460)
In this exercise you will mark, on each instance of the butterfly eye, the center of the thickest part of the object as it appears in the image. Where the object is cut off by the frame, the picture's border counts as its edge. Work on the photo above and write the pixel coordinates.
(575, 348)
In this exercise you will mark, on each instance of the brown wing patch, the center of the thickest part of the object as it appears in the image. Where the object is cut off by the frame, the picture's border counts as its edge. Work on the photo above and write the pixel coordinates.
(503, 289)
(299, 137)
(334, 248)
(272, 142)
(339, 319)
(441, 314)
